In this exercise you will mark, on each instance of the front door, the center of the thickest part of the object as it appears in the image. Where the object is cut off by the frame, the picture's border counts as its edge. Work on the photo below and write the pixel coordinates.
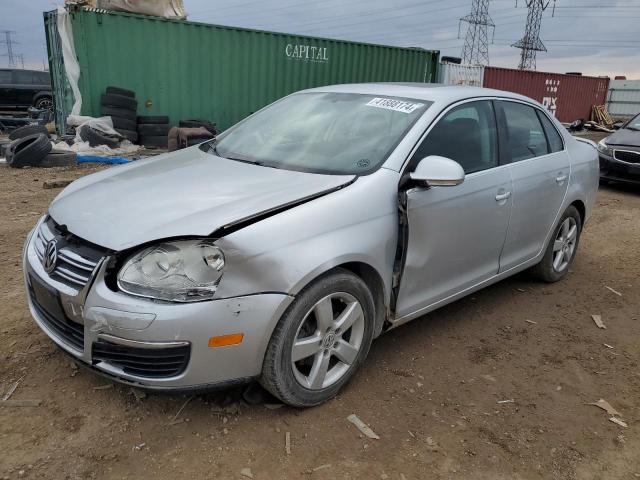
(456, 234)
(540, 172)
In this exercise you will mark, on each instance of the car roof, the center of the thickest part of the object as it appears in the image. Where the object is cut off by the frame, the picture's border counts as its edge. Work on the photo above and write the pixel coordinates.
(434, 92)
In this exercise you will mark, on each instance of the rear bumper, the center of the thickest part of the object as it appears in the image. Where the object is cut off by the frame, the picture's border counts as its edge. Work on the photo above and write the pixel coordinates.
(155, 345)
(611, 169)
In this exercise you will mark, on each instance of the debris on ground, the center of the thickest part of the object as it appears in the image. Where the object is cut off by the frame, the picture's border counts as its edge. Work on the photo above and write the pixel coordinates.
(139, 446)
(511, 400)
(321, 467)
(489, 378)
(287, 443)
(607, 345)
(606, 406)
(246, 472)
(612, 290)
(597, 319)
(104, 387)
(174, 420)
(20, 403)
(139, 394)
(56, 184)
(531, 321)
(617, 421)
(12, 389)
(363, 427)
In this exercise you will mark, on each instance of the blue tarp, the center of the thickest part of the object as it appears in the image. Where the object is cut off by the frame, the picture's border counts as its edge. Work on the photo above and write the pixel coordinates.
(108, 160)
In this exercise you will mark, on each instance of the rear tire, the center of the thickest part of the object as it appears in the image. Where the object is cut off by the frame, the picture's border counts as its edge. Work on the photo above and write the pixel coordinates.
(29, 151)
(153, 141)
(562, 248)
(27, 130)
(329, 328)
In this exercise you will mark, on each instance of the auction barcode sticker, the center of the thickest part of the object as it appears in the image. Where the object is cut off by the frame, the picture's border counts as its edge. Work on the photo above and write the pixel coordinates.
(395, 105)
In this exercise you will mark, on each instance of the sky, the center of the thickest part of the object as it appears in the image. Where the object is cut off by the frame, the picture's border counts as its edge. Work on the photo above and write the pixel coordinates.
(595, 37)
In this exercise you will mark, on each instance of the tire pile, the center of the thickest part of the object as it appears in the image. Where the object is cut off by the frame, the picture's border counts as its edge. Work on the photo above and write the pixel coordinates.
(153, 130)
(121, 105)
(30, 147)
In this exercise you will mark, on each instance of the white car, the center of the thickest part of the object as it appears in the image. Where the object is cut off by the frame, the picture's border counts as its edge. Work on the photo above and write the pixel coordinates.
(281, 249)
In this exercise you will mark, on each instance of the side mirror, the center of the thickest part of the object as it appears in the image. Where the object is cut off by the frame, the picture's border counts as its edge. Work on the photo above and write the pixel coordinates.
(435, 171)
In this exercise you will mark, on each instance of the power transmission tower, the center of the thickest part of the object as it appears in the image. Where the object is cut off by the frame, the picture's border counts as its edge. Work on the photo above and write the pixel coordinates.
(476, 41)
(530, 44)
(9, 42)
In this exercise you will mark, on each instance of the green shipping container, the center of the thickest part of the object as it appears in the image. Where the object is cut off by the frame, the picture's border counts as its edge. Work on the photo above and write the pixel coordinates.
(195, 70)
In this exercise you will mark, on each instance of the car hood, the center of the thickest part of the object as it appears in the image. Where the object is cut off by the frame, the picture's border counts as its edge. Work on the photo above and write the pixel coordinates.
(630, 138)
(184, 193)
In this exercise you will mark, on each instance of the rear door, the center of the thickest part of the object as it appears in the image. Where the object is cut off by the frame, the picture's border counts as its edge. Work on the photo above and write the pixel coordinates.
(23, 84)
(456, 234)
(540, 169)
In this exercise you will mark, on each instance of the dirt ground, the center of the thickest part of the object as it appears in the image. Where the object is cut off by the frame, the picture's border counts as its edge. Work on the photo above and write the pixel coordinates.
(495, 386)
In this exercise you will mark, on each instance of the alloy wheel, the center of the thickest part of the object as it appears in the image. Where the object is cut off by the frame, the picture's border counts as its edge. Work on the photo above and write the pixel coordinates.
(565, 244)
(328, 341)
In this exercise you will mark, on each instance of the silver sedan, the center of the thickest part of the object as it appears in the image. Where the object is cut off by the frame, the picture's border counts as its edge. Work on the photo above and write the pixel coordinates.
(281, 249)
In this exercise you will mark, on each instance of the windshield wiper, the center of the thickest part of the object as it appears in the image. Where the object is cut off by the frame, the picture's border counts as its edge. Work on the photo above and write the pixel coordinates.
(214, 148)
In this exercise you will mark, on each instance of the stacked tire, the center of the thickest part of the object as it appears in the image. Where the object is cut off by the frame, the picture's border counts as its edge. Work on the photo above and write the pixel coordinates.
(121, 105)
(153, 131)
(34, 150)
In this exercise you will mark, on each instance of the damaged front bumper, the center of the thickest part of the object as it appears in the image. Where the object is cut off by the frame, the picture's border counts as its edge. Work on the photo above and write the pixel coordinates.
(157, 345)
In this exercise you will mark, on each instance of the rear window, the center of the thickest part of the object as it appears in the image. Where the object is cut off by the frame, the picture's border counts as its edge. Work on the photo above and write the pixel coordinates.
(554, 138)
(525, 136)
(23, 77)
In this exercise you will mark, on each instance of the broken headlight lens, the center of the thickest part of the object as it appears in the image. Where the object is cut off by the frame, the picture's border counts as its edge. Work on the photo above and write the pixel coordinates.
(605, 149)
(181, 271)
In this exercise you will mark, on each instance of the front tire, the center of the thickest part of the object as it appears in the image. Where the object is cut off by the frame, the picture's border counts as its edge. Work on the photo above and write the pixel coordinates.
(562, 248)
(320, 341)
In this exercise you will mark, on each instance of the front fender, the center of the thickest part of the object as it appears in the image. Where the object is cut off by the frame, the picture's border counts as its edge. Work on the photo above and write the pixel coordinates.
(285, 252)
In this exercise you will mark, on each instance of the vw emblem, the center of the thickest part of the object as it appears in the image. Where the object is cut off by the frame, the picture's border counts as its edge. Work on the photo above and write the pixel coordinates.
(50, 258)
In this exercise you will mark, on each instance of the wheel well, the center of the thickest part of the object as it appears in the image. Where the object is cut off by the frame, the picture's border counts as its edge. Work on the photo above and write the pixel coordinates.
(579, 205)
(40, 95)
(371, 277)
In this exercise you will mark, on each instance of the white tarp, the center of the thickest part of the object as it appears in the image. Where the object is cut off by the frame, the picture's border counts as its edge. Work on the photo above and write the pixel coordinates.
(71, 65)
(103, 124)
(171, 9)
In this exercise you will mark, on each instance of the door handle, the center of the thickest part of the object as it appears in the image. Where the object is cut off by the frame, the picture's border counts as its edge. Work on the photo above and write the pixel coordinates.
(502, 196)
(561, 178)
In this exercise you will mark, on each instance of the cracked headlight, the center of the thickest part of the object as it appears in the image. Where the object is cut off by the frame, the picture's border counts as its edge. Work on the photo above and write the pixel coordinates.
(181, 271)
(605, 149)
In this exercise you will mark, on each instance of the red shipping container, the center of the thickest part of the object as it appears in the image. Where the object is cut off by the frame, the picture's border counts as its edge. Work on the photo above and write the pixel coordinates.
(568, 97)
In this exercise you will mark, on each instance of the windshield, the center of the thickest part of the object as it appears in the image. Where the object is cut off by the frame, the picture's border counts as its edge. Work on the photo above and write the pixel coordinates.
(634, 123)
(338, 133)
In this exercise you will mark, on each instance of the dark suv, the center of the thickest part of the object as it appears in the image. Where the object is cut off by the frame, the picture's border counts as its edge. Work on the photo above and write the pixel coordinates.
(21, 89)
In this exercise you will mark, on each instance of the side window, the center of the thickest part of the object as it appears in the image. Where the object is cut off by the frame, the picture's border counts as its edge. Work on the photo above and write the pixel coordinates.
(466, 134)
(555, 141)
(5, 76)
(23, 77)
(525, 136)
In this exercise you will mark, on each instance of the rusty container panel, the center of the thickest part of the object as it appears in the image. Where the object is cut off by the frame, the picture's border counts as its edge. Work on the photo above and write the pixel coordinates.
(567, 97)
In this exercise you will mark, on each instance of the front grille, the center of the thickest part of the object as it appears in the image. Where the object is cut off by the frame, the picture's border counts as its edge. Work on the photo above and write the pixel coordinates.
(626, 156)
(76, 259)
(54, 318)
(143, 362)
